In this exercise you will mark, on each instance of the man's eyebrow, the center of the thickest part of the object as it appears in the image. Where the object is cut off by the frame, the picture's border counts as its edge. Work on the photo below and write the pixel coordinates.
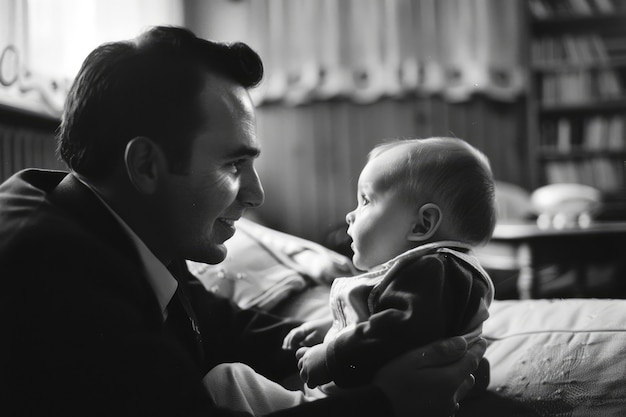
(244, 151)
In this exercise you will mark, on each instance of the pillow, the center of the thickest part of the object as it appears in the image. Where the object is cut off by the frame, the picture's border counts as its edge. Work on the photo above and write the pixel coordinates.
(563, 357)
(265, 266)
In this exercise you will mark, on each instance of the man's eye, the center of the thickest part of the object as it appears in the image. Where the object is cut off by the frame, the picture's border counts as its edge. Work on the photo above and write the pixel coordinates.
(236, 165)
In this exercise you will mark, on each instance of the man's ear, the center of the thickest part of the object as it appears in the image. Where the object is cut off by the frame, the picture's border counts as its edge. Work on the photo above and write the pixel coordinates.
(142, 160)
(426, 224)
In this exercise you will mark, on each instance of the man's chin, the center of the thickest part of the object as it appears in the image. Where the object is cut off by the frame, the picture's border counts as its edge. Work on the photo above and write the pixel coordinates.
(213, 255)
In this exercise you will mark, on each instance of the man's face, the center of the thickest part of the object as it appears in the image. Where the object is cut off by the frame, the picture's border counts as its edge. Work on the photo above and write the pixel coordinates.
(201, 207)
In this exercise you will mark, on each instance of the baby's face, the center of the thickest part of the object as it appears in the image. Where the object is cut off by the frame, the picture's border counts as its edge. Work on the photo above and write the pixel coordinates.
(382, 221)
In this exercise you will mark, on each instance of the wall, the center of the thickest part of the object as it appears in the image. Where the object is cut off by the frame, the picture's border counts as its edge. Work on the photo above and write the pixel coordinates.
(312, 154)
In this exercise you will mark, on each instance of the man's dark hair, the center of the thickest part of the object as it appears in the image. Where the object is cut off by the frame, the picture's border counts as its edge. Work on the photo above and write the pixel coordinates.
(147, 86)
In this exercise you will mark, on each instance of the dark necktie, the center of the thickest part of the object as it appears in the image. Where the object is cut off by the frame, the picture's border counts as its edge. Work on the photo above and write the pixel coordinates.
(181, 324)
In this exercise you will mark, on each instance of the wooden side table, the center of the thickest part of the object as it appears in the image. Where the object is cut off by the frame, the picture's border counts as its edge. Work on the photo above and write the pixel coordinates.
(530, 250)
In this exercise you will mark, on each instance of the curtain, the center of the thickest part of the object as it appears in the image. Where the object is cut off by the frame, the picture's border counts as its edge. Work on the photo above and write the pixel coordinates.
(369, 49)
(314, 50)
(43, 42)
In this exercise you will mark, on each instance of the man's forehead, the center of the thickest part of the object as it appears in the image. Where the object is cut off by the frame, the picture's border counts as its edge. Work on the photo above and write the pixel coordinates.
(229, 121)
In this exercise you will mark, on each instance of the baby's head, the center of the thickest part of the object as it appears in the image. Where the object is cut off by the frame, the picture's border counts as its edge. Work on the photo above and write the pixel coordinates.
(418, 191)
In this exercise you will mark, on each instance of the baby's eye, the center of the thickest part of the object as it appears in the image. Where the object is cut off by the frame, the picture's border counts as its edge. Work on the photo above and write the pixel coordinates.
(364, 200)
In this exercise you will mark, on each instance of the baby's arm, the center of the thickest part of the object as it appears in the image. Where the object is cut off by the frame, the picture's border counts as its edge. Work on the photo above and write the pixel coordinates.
(307, 334)
(419, 304)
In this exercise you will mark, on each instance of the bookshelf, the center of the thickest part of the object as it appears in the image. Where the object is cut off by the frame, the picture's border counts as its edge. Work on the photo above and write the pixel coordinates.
(577, 92)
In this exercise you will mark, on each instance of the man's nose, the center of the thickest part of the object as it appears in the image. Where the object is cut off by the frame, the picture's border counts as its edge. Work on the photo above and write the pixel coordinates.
(252, 194)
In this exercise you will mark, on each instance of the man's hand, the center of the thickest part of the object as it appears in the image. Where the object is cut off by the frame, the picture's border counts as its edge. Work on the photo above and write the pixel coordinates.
(312, 365)
(430, 381)
(307, 334)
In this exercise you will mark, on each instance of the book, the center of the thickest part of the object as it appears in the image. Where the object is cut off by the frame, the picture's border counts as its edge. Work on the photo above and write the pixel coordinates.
(604, 6)
(582, 7)
(615, 133)
(594, 133)
(564, 135)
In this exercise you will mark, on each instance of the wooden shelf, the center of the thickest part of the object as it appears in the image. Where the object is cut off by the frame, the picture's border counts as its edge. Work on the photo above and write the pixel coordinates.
(17, 115)
(577, 94)
(557, 155)
(618, 63)
(596, 106)
(579, 23)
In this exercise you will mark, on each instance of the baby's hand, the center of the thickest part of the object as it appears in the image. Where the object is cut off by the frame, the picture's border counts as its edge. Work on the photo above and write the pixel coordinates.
(312, 365)
(307, 334)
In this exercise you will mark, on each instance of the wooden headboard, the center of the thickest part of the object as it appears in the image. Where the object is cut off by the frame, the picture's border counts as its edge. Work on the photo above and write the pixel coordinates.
(26, 141)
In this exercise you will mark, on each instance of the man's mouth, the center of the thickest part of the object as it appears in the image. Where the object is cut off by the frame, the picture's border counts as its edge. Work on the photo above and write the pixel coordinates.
(228, 222)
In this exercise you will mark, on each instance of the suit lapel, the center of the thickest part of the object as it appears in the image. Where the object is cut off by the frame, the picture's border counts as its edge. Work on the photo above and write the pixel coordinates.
(72, 196)
(80, 202)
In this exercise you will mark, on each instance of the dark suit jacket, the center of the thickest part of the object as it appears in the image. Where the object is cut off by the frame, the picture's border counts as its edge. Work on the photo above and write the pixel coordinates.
(82, 333)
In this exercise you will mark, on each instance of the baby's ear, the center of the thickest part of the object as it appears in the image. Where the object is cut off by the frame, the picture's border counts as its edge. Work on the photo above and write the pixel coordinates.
(426, 223)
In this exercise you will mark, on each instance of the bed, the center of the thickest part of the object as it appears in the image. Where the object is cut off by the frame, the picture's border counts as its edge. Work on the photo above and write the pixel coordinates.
(548, 357)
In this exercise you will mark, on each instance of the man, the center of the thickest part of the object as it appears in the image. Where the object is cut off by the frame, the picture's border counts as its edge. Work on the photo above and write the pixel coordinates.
(99, 315)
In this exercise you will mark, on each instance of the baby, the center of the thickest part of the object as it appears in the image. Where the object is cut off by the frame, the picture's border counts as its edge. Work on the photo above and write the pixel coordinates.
(422, 205)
